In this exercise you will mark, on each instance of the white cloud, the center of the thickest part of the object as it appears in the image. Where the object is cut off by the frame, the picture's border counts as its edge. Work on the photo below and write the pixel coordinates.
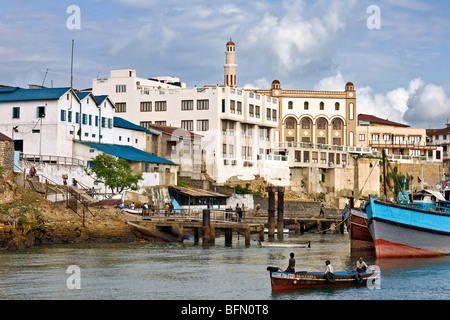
(332, 83)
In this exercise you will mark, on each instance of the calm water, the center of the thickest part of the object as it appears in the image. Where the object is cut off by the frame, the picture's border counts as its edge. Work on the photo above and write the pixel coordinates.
(193, 271)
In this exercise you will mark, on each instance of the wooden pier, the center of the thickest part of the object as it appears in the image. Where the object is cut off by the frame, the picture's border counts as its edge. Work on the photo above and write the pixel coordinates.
(180, 224)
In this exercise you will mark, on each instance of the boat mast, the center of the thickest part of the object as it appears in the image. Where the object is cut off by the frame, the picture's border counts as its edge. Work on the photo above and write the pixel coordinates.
(384, 172)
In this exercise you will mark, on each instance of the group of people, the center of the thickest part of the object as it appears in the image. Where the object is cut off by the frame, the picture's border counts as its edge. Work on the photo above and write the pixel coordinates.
(361, 266)
(238, 212)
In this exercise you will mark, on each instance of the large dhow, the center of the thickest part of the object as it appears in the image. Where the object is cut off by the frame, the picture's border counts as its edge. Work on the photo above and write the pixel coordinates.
(410, 229)
(281, 280)
(405, 231)
(356, 223)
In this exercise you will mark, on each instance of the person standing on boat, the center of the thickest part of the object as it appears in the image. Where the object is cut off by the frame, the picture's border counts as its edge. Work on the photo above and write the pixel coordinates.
(238, 213)
(329, 268)
(361, 266)
(291, 266)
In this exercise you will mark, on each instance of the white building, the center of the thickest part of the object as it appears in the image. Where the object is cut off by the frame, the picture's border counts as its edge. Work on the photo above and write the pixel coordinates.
(237, 125)
(61, 126)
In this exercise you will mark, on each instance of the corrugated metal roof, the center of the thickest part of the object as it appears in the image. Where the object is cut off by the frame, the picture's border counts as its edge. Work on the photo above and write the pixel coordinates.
(32, 94)
(122, 123)
(127, 152)
(196, 192)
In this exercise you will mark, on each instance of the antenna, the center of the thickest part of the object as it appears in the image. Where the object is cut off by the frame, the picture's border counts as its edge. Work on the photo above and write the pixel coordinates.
(71, 68)
(45, 76)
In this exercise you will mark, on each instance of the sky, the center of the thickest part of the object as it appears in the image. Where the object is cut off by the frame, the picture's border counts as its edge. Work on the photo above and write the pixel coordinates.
(396, 52)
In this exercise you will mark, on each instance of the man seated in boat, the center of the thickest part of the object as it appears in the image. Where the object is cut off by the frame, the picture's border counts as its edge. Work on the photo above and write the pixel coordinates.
(291, 267)
(329, 268)
(361, 266)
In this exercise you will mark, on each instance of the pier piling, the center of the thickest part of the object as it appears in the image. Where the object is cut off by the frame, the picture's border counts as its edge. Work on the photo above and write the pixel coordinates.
(271, 219)
(280, 212)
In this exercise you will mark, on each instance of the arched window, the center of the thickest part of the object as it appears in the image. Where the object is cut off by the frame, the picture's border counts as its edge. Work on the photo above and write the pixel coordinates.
(336, 106)
(321, 124)
(290, 123)
(306, 124)
(322, 106)
(290, 105)
(337, 124)
(306, 105)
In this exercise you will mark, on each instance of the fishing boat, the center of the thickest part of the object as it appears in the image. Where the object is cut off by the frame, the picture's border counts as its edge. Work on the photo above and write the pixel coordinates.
(281, 280)
(280, 244)
(358, 231)
(406, 231)
(132, 211)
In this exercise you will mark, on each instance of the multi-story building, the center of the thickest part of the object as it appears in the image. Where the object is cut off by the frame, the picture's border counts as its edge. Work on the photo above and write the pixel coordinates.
(441, 137)
(401, 142)
(237, 125)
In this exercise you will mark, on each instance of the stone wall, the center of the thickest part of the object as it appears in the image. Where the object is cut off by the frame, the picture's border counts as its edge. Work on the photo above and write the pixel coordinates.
(7, 154)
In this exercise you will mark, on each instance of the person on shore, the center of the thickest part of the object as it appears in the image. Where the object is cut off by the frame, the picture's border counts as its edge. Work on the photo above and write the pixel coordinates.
(145, 210)
(321, 213)
(166, 210)
(238, 213)
(32, 172)
(361, 266)
(291, 266)
(329, 268)
(132, 206)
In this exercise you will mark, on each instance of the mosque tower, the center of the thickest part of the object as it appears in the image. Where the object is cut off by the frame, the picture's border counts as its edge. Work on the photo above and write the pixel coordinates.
(230, 65)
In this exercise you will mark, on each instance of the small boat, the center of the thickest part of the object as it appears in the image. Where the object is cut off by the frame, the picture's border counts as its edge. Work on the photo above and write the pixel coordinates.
(285, 230)
(132, 211)
(281, 280)
(286, 244)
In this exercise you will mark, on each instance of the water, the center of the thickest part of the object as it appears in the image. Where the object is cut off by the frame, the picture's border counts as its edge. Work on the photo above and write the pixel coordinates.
(194, 271)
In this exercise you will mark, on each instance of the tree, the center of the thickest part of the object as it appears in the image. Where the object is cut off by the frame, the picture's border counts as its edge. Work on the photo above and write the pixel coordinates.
(114, 172)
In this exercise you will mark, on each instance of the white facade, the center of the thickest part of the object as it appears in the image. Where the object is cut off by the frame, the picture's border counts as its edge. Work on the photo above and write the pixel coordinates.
(236, 125)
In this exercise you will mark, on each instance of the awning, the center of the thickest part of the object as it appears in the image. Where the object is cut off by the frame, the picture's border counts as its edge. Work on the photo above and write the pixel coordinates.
(197, 192)
(127, 152)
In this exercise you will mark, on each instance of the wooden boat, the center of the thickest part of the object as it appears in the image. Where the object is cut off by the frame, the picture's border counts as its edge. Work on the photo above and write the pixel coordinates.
(286, 244)
(356, 223)
(281, 280)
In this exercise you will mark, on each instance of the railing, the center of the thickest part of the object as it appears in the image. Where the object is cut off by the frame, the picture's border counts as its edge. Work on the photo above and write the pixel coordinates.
(51, 159)
(216, 214)
(272, 157)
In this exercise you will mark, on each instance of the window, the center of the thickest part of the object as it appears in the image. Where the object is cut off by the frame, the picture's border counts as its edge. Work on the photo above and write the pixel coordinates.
(233, 106)
(96, 121)
(121, 88)
(187, 105)
(224, 150)
(290, 123)
(145, 124)
(202, 104)
(321, 124)
(121, 107)
(160, 105)
(202, 125)
(336, 124)
(16, 113)
(336, 106)
(362, 137)
(187, 125)
(103, 122)
(186, 146)
(231, 150)
(306, 124)
(40, 112)
(321, 140)
(336, 141)
(239, 107)
(146, 106)
(251, 110)
(322, 106)
(63, 115)
(84, 118)
(257, 112)
(69, 116)
(161, 123)
(274, 115)
(268, 111)
(90, 120)
(290, 105)
(77, 117)
(306, 105)
(223, 105)
(110, 123)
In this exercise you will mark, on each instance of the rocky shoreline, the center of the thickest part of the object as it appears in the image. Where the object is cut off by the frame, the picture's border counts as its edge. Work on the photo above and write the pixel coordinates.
(26, 219)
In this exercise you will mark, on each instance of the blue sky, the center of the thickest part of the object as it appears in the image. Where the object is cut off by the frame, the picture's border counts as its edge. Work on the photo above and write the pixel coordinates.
(401, 71)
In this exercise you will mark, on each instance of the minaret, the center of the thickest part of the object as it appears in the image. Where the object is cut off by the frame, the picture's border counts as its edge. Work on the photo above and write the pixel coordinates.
(230, 65)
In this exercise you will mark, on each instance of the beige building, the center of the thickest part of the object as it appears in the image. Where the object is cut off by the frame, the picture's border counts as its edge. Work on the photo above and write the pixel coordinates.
(401, 142)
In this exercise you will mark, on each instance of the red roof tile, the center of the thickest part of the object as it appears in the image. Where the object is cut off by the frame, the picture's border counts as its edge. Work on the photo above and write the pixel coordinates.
(373, 119)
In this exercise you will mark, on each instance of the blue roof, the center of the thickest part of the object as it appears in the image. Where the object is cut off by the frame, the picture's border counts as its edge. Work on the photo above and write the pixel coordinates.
(100, 99)
(127, 152)
(122, 123)
(32, 94)
(82, 94)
